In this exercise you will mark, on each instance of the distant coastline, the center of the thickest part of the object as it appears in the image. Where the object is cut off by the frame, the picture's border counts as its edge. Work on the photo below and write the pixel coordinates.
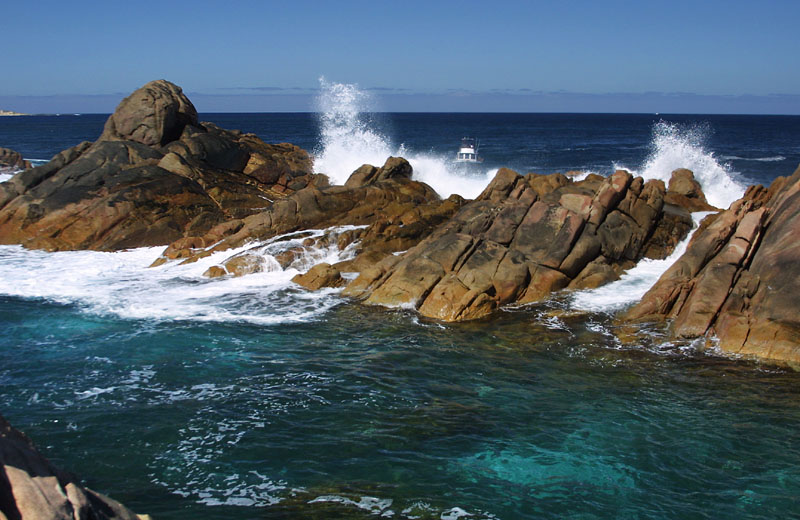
(10, 113)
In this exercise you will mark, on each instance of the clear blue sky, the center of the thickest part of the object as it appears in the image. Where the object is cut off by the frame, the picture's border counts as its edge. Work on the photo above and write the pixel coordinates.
(675, 56)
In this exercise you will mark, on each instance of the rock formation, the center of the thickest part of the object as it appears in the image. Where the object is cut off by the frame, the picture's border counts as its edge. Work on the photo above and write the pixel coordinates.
(523, 238)
(12, 161)
(739, 280)
(392, 211)
(31, 487)
(155, 175)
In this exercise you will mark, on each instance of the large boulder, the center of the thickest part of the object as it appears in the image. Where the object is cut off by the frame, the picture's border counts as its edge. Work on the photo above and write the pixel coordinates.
(737, 283)
(154, 114)
(31, 487)
(523, 238)
(155, 175)
(686, 192)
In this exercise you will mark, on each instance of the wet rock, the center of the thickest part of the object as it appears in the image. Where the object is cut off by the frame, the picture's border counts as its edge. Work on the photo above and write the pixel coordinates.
(522, 239)
(319, 276)
(155, 175)
(738, 281)
(31, 487)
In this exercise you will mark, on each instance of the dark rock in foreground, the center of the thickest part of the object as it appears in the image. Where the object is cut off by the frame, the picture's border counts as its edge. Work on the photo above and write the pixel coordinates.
(524, 238)
(31, 487)
(156, 174)
(739, 280)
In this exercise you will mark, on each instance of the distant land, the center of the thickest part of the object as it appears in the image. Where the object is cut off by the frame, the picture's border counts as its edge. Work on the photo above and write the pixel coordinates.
(10, 113)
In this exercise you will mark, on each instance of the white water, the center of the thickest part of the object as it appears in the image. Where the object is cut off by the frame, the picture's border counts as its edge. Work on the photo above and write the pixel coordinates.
(674, 146)
(349, 140)
(122, 284)
(633, 284)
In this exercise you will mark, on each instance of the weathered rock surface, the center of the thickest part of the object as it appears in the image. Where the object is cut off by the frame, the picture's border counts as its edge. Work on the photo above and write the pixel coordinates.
(522, 239)
(11, 160)
(155, 175)
(686, 192)
(739, 279)
(319, 276)
(31, 487)
(392, 211)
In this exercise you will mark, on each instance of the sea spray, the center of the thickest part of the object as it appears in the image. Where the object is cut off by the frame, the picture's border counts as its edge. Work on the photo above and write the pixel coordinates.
(676, 146)
(633, 284)
(121, 283)
(349, 138)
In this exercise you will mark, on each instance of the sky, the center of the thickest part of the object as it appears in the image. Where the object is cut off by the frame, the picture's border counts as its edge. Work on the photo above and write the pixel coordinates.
(700, 56)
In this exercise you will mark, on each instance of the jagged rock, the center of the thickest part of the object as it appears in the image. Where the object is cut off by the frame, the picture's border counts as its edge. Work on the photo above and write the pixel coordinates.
(31, 487)
(319, 276)
(11, 160)
(394, 168)
(397, 211)
(155, 175)
(520, 240)
(739, 278)
(684, 191)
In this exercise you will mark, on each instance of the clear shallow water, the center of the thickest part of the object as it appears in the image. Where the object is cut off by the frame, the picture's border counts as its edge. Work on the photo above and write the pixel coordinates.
(249, 398)
(510, 418)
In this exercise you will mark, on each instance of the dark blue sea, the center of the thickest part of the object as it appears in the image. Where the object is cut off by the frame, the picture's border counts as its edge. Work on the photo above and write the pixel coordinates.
(185, 397)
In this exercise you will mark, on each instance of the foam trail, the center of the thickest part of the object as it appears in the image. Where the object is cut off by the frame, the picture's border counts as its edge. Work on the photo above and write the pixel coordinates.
(634, 283)
(348, 140)
(674, 146)
(122, 284)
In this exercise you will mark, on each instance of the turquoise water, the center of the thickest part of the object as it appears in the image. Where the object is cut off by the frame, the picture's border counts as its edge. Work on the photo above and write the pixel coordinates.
(367, 412)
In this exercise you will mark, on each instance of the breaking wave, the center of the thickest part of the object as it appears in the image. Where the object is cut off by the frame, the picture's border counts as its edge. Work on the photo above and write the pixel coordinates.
(634, 283)
(122, 284)
(349, 139)
(676, 146)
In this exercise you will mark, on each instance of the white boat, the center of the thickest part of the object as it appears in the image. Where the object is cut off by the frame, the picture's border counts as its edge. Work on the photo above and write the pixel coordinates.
(468, 153)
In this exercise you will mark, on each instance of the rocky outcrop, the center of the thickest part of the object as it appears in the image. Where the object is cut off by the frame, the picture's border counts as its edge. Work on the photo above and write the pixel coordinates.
(390, 213)
(155, 175)
(31, 487)
(12, 161)
(686, 192)
(523, 238)
(737, 283)
(319, 276)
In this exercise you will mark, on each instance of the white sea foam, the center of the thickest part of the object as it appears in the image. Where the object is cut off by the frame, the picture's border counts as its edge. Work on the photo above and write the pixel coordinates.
(633, 284)
(774, 158)
(675, 146)
(349, 139)
(122, 284)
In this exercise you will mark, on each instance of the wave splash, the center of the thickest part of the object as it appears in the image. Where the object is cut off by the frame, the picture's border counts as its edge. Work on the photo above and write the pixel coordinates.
(676, 146)
(121, 283)
(634, 283)
(348, 139)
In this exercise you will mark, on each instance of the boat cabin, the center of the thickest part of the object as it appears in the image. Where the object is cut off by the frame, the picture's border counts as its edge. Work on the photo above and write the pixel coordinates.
(468, 152)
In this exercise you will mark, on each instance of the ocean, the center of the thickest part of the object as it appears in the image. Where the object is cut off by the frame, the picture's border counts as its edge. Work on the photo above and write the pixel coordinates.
(184, 397)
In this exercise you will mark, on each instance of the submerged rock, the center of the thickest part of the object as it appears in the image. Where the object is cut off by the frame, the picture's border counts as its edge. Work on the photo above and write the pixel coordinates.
(739, 280)
(31, 487)
(155, 175)
(521, 239)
